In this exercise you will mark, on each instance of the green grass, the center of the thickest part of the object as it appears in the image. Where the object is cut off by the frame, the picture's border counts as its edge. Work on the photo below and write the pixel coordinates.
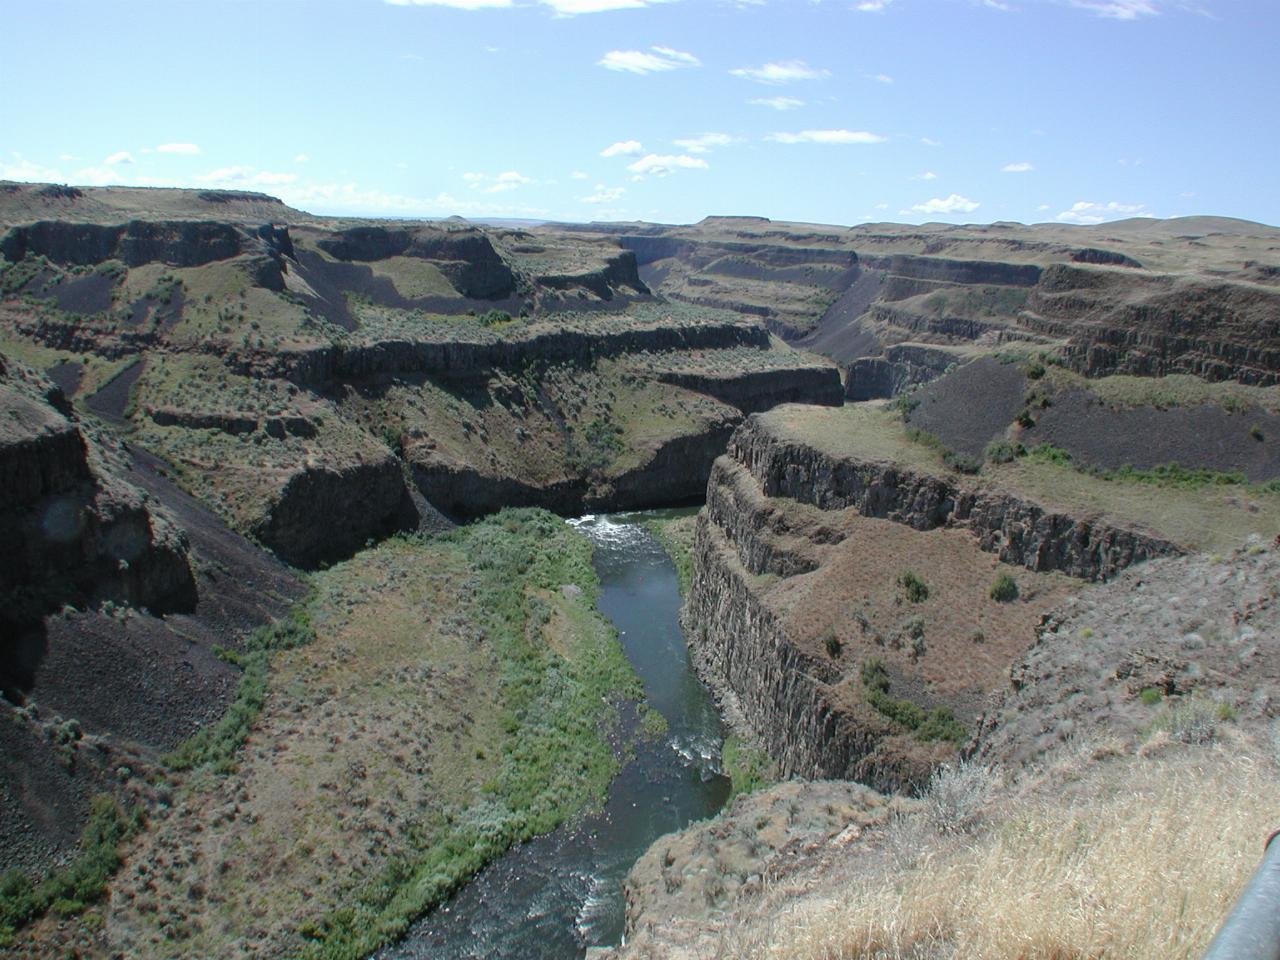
(926, 725)
(216, 745)
(748, 768)
(69, 890)
(556, 708)
(675, 536)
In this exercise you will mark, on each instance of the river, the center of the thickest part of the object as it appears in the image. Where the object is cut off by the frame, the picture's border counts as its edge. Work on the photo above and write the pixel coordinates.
(558, 894)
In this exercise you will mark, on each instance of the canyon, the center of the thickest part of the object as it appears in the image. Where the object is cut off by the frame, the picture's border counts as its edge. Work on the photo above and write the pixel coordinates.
(273, 482)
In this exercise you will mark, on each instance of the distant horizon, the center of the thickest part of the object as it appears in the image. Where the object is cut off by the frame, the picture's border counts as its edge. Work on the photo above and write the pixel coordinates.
(860, 111)
(552, 220)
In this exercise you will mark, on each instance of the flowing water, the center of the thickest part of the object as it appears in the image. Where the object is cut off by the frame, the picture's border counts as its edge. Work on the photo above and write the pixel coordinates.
(561, 893)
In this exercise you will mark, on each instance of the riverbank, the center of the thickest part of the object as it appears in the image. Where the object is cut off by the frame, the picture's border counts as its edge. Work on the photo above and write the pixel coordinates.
(562, 893)
(458, 697)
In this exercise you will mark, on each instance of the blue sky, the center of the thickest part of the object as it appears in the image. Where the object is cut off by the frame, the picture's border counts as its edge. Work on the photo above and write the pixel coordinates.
(835, 112)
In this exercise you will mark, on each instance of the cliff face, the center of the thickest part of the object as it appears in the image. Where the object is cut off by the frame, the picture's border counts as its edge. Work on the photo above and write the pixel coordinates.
(1021, 532)
(75, 530)
(797, 562)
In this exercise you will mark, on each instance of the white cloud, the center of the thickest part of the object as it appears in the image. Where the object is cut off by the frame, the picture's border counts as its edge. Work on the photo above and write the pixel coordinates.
(872, 6)
(827, 136)
(182, 149)
(456, 4)
(1021, 167)
(243, 176)
(571, 8)
(927, 175)
(882, 78)
(577, 175)
(640, 62)
(1119, 9)
(777, 103)
(947, 205)
(121, 156)
(302, 158)
(561, 8)
(704, 142)
(623, 148)
(503, 182)
(603, 194)
(929, 142)
(659, 165)
(1088, 212)
(782, 71)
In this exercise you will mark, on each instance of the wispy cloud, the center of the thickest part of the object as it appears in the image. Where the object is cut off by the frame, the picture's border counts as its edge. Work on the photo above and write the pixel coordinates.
(1020, 167)
(872, 6)
(302, 158)
(782, 71)
(945, 205)
(777, 103)
(603, 194)
(827, 136)
(509, 180)
(245, 176)
(1089, 212)
(182, 149)
(882, 78)
(561, 8)
(659, 165)
(120, 156)
(655, 60)
(927, 175)
(704, 142)
(1119, 9)
(578, 175)
(455, 4)
(623, 148)
(930, 142)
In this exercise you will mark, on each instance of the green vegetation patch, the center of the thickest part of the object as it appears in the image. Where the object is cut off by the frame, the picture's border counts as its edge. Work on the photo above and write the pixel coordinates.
(69, 890)
(561, 675)
(926, 725)
(748, 767)
(216, 745)
(675, 536)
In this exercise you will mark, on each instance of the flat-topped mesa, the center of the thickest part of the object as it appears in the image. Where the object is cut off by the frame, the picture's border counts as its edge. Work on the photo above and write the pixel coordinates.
(1017, 529)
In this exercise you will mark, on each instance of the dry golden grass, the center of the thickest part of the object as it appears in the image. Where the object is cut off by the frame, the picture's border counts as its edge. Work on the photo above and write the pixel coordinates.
(1138, 857)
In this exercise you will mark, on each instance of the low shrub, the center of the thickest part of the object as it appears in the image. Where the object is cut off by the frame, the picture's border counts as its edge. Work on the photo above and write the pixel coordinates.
(75, 886)
(913, 588)
(1005, 589)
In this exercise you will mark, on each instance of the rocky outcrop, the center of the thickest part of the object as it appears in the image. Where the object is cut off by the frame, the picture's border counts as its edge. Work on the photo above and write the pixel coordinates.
(1018, 530)
(1119, 321)
(946, 270)
(754, 390)
(902, 367)
(179, 243)
(1179, 645)
(685, 878)
(620, 270)
(232, 423)
(464, 255)
(673, 472)
(76, 530)
(325, 514)
(540, 344)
